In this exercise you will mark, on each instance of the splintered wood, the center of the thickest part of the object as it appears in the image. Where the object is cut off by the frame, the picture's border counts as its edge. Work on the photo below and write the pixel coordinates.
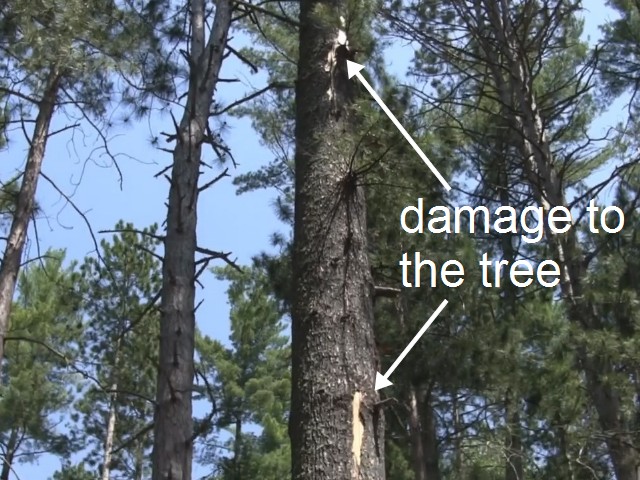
(358, 432)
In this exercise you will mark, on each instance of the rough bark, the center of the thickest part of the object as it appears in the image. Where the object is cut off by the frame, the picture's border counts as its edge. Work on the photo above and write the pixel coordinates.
(336, 426)
(173, 425)
(14, 248)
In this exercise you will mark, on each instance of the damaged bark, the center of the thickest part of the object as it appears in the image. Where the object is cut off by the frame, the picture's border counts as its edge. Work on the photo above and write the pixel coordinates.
(336, 426)
(173, 425)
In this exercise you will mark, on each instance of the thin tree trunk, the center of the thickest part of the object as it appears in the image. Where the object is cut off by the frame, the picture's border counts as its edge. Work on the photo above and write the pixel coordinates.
(138, 469)
(457, 437)
(508, 308)
(564, 454)
(336, 424)
(430, 437)
(514, 469)
(10, 450)
(237, 445)
(422, 425)
(111, 430)
(415, 434)
(14, 248)
(111, 417)
(173, 425)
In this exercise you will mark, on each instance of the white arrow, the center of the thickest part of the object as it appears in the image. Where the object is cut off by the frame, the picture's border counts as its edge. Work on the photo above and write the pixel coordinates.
(354, 69)
(382, 381)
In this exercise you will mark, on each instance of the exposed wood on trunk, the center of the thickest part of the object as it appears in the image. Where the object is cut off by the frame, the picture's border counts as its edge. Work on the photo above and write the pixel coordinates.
(173, 425)
(14, 248)
(334, 354)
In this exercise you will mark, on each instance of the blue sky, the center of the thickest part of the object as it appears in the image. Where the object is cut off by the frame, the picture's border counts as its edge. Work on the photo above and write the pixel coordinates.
(241, 224)
(227, 222)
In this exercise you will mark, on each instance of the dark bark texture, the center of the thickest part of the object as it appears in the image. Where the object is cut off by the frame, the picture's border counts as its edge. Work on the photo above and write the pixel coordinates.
(336, 425)
(173, 426)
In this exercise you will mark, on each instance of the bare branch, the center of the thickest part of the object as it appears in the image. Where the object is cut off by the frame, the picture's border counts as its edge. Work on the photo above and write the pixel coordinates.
(257, 93)
(215, 180)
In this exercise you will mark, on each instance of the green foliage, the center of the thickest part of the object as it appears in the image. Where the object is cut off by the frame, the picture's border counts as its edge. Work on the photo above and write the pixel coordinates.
(84, 43)
(121, 322)
(620, 50)
(37, 385)
(249, 381)
(73, 472)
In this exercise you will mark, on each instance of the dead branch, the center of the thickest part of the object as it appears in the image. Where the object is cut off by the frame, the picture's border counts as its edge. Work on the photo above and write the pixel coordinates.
(213, 255)
(257, 93)
(215, 180)
(243, 59)
(84, 219)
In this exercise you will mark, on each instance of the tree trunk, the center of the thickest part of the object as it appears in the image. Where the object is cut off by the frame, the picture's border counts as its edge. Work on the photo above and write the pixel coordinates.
(138, 468)
(508, 313)
(415, 434)
(336, 425)
(458, 433)
(10, 451)
(237, 445)
(14, 248)
(425, 456)
(173, 425)
(111, 430)
(111, 418)
(430, 437)
(563, 454)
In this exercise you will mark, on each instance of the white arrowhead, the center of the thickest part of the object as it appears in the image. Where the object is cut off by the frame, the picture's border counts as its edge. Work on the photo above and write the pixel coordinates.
(381, 381)
(353, 68)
